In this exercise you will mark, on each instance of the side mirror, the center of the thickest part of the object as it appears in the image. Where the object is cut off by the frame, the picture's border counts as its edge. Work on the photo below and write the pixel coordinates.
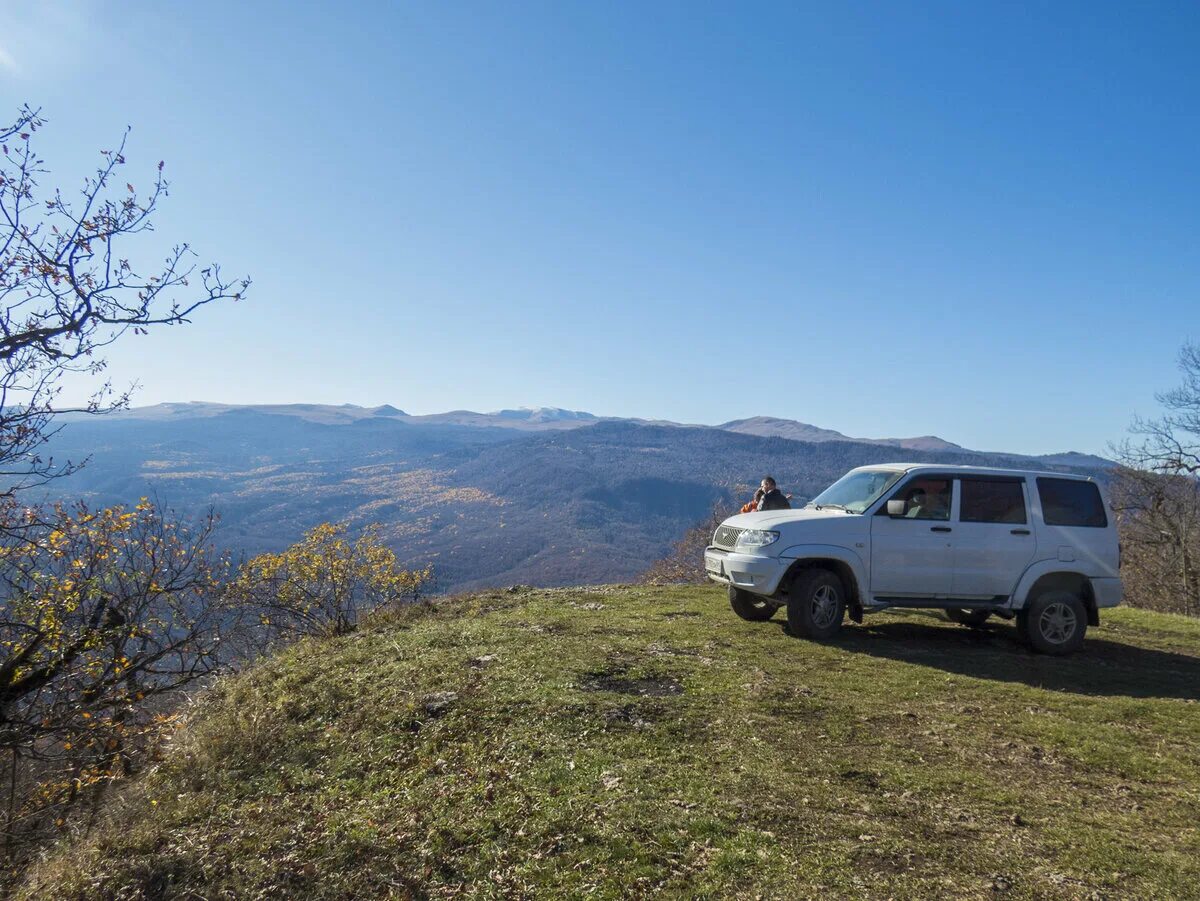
(895, 508)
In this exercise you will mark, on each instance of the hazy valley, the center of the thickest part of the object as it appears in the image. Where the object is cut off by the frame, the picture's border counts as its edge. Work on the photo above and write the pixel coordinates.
(543, 497)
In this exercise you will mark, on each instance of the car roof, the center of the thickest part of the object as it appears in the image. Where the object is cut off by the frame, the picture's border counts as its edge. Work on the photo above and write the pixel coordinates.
(975, 470)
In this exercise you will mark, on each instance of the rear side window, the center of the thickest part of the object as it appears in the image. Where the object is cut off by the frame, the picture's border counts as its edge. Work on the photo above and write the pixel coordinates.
(1069, 502)
(992, 500)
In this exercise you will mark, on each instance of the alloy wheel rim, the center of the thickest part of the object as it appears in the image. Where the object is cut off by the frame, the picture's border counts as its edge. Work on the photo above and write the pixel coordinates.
(824, 606)
(1058, 623)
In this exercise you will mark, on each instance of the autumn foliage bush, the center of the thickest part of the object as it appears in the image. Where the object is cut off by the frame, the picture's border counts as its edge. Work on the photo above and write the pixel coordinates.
(324, 583)
(105, 616)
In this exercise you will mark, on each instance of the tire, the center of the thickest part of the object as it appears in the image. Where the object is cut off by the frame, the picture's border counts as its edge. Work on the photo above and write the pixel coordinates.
(816, 604)
(1054, 623)
(971, 618)
(750, 606)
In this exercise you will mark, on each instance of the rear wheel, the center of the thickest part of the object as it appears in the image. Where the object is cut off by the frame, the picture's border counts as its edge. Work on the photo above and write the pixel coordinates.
(972, 618)
(816, 604)
(750, 606)
(1055, 622)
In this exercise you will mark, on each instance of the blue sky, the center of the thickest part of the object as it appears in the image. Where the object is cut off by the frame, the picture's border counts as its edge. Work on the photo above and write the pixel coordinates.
(974, 220)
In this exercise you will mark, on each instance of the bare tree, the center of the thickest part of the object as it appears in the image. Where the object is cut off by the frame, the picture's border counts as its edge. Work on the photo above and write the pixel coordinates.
(103, 615)
(67, 291)
(1171, 443)
(1156, 492)
(1159, 517)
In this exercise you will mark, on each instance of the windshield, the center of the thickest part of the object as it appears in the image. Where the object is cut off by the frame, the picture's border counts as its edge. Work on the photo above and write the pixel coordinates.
(855, 491)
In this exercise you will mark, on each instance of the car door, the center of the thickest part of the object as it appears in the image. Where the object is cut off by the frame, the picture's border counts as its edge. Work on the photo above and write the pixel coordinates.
(993, 538)
(912, 555)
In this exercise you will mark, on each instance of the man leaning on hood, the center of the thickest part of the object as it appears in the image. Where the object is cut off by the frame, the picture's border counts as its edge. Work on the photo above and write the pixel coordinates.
(772, 497)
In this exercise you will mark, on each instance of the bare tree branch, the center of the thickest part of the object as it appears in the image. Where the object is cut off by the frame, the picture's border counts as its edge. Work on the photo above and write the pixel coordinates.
(66, 293)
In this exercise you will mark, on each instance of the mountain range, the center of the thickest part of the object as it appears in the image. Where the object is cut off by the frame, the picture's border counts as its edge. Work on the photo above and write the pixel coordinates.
(541, 496)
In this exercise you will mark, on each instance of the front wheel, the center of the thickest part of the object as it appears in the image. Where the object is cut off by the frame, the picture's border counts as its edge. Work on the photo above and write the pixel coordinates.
(1055, 622)
(750, 606)
(816, 604)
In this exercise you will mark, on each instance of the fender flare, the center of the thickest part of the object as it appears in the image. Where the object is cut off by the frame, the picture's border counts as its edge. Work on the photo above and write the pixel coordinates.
(830, 552)
(1029, 578)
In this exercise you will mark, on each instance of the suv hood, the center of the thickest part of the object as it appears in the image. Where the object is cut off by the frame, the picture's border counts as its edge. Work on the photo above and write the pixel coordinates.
(768, 519)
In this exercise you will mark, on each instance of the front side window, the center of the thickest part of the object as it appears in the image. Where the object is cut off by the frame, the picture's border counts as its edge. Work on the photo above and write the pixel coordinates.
(924, 498)
(1071, 502)
(857, 490)
(992, 500)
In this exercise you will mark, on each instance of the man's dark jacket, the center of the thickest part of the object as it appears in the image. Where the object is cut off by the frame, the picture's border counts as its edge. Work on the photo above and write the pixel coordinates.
(774, 500)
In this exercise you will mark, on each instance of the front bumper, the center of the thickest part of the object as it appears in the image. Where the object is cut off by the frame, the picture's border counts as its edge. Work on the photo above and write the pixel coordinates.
(758, 575)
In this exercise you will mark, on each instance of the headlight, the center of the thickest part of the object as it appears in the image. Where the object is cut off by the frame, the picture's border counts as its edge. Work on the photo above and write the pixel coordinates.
(755, 538)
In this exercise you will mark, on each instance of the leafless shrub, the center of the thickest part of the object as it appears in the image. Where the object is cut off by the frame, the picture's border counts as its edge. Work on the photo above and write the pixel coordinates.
(1157, 496)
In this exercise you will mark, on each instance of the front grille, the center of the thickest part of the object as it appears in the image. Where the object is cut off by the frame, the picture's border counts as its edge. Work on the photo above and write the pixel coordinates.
(726, 537)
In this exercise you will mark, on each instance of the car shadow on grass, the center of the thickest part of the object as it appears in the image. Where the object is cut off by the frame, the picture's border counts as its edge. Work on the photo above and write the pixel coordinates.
(1102, 667)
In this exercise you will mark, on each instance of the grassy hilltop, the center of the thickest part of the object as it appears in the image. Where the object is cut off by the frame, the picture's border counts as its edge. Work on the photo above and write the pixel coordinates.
(617, 742)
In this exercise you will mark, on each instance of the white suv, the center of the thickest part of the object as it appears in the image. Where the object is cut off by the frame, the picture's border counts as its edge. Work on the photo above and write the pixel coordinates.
(1038, 546)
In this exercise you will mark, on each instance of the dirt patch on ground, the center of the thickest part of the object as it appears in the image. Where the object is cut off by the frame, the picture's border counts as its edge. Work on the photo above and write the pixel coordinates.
(861, 777)
(618, 680)
(634, 715)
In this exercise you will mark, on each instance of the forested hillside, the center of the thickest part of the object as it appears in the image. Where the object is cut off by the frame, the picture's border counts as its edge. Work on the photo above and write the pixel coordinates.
(543, 503)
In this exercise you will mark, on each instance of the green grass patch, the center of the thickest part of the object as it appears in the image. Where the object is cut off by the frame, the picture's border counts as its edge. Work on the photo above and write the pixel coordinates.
(624, 742)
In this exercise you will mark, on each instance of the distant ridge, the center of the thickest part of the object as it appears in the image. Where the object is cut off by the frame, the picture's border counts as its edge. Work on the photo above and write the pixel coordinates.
(924, 442)
(546, 414)
(518, 418)
(538, 419)
(772, 427)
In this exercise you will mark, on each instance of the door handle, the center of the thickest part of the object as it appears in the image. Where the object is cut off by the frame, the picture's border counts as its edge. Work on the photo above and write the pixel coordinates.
(1019, 532)
(939, 528)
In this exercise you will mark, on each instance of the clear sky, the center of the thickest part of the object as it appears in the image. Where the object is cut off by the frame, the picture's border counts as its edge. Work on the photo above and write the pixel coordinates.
(975, 220)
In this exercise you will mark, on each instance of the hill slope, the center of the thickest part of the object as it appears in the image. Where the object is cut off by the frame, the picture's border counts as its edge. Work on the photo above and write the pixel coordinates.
(629, 742)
